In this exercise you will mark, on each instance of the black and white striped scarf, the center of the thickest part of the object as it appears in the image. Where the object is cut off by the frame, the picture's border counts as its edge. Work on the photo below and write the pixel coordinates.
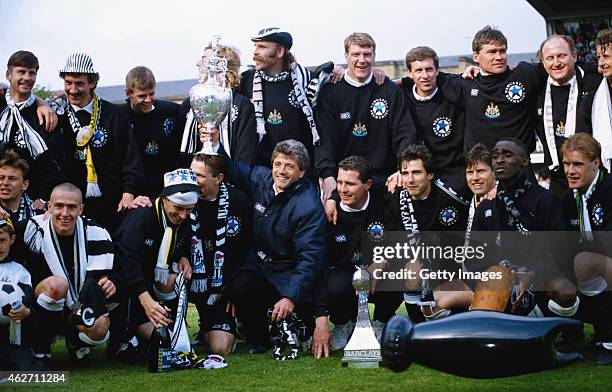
(26, 135)
(179, 338)
(198, 283)
(25, 210)
(300, 77)
(411, 225)
(509, 201)
(93, 251)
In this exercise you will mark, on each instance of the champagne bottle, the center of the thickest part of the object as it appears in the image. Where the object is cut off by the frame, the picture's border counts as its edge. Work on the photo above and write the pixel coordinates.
(159, 347)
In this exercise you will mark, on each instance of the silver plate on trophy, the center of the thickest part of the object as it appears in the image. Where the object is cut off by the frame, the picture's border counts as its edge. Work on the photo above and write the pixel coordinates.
(363, 349)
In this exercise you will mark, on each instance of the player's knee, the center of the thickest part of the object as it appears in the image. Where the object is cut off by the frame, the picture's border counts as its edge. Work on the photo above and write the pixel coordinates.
(588, 265)
(98, 330)
(562, 291)
(55, 287)
(221, 342)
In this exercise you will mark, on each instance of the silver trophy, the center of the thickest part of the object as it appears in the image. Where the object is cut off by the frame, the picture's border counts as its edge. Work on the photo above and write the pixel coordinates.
(211, 101)
(362, 350)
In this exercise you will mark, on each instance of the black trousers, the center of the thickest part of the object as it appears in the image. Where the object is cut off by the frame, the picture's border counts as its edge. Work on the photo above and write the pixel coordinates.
(342, 300)
(253, 295)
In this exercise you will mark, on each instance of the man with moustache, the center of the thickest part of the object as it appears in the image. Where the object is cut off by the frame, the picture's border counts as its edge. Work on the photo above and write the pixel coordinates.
(587, 208)
(559, 102)
(156, 125)
(21, 132)
(102, 156)
(596, 110)
(356, 116)
(283, 93)
(439, 123)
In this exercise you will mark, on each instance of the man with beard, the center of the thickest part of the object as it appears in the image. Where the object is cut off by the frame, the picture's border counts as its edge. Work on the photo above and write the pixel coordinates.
(102, 156)
(156, 125)
(559, 102)
(20, 130)
(283, 93)
(588, 209)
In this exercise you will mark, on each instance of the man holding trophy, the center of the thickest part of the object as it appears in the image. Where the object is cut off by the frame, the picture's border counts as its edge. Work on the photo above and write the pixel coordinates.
(237, 133)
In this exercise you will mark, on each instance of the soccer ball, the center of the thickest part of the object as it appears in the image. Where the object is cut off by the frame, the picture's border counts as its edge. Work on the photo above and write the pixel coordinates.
(9, 294)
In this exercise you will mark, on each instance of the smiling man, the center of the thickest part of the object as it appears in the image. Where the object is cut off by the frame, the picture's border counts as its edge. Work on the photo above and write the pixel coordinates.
(356, 116)
(13, 186)
(559, 101)
(221, 236)
(480, 179)
(423, 205)
(282, 92)
(499, 102)
(157, 127)
(588, 209)
(71, 260)
(525, 207)
(439, 123)
(102, 157)
(289, 238)
(153, 246)
(360, 209)
(21, 132)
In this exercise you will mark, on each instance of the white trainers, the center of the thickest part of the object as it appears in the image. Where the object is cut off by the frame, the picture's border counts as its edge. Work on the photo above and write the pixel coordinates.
(214, 361)
(341, 335)
(378, 329)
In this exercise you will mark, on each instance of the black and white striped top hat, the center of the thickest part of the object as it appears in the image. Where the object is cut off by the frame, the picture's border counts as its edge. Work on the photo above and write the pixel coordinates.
(79, 63)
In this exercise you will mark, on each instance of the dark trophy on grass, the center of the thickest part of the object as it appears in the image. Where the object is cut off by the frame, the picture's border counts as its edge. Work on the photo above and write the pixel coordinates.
(478, 344)
(362, 350)
(211, 101)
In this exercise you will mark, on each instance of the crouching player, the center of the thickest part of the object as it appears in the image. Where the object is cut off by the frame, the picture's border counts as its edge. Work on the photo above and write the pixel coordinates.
(71, 260)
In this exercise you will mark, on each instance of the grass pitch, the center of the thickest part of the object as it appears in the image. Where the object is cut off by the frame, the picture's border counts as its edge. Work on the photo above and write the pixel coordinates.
(261, 373)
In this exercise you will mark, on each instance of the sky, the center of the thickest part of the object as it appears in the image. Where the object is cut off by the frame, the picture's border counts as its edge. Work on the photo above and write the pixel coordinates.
(168, 36)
